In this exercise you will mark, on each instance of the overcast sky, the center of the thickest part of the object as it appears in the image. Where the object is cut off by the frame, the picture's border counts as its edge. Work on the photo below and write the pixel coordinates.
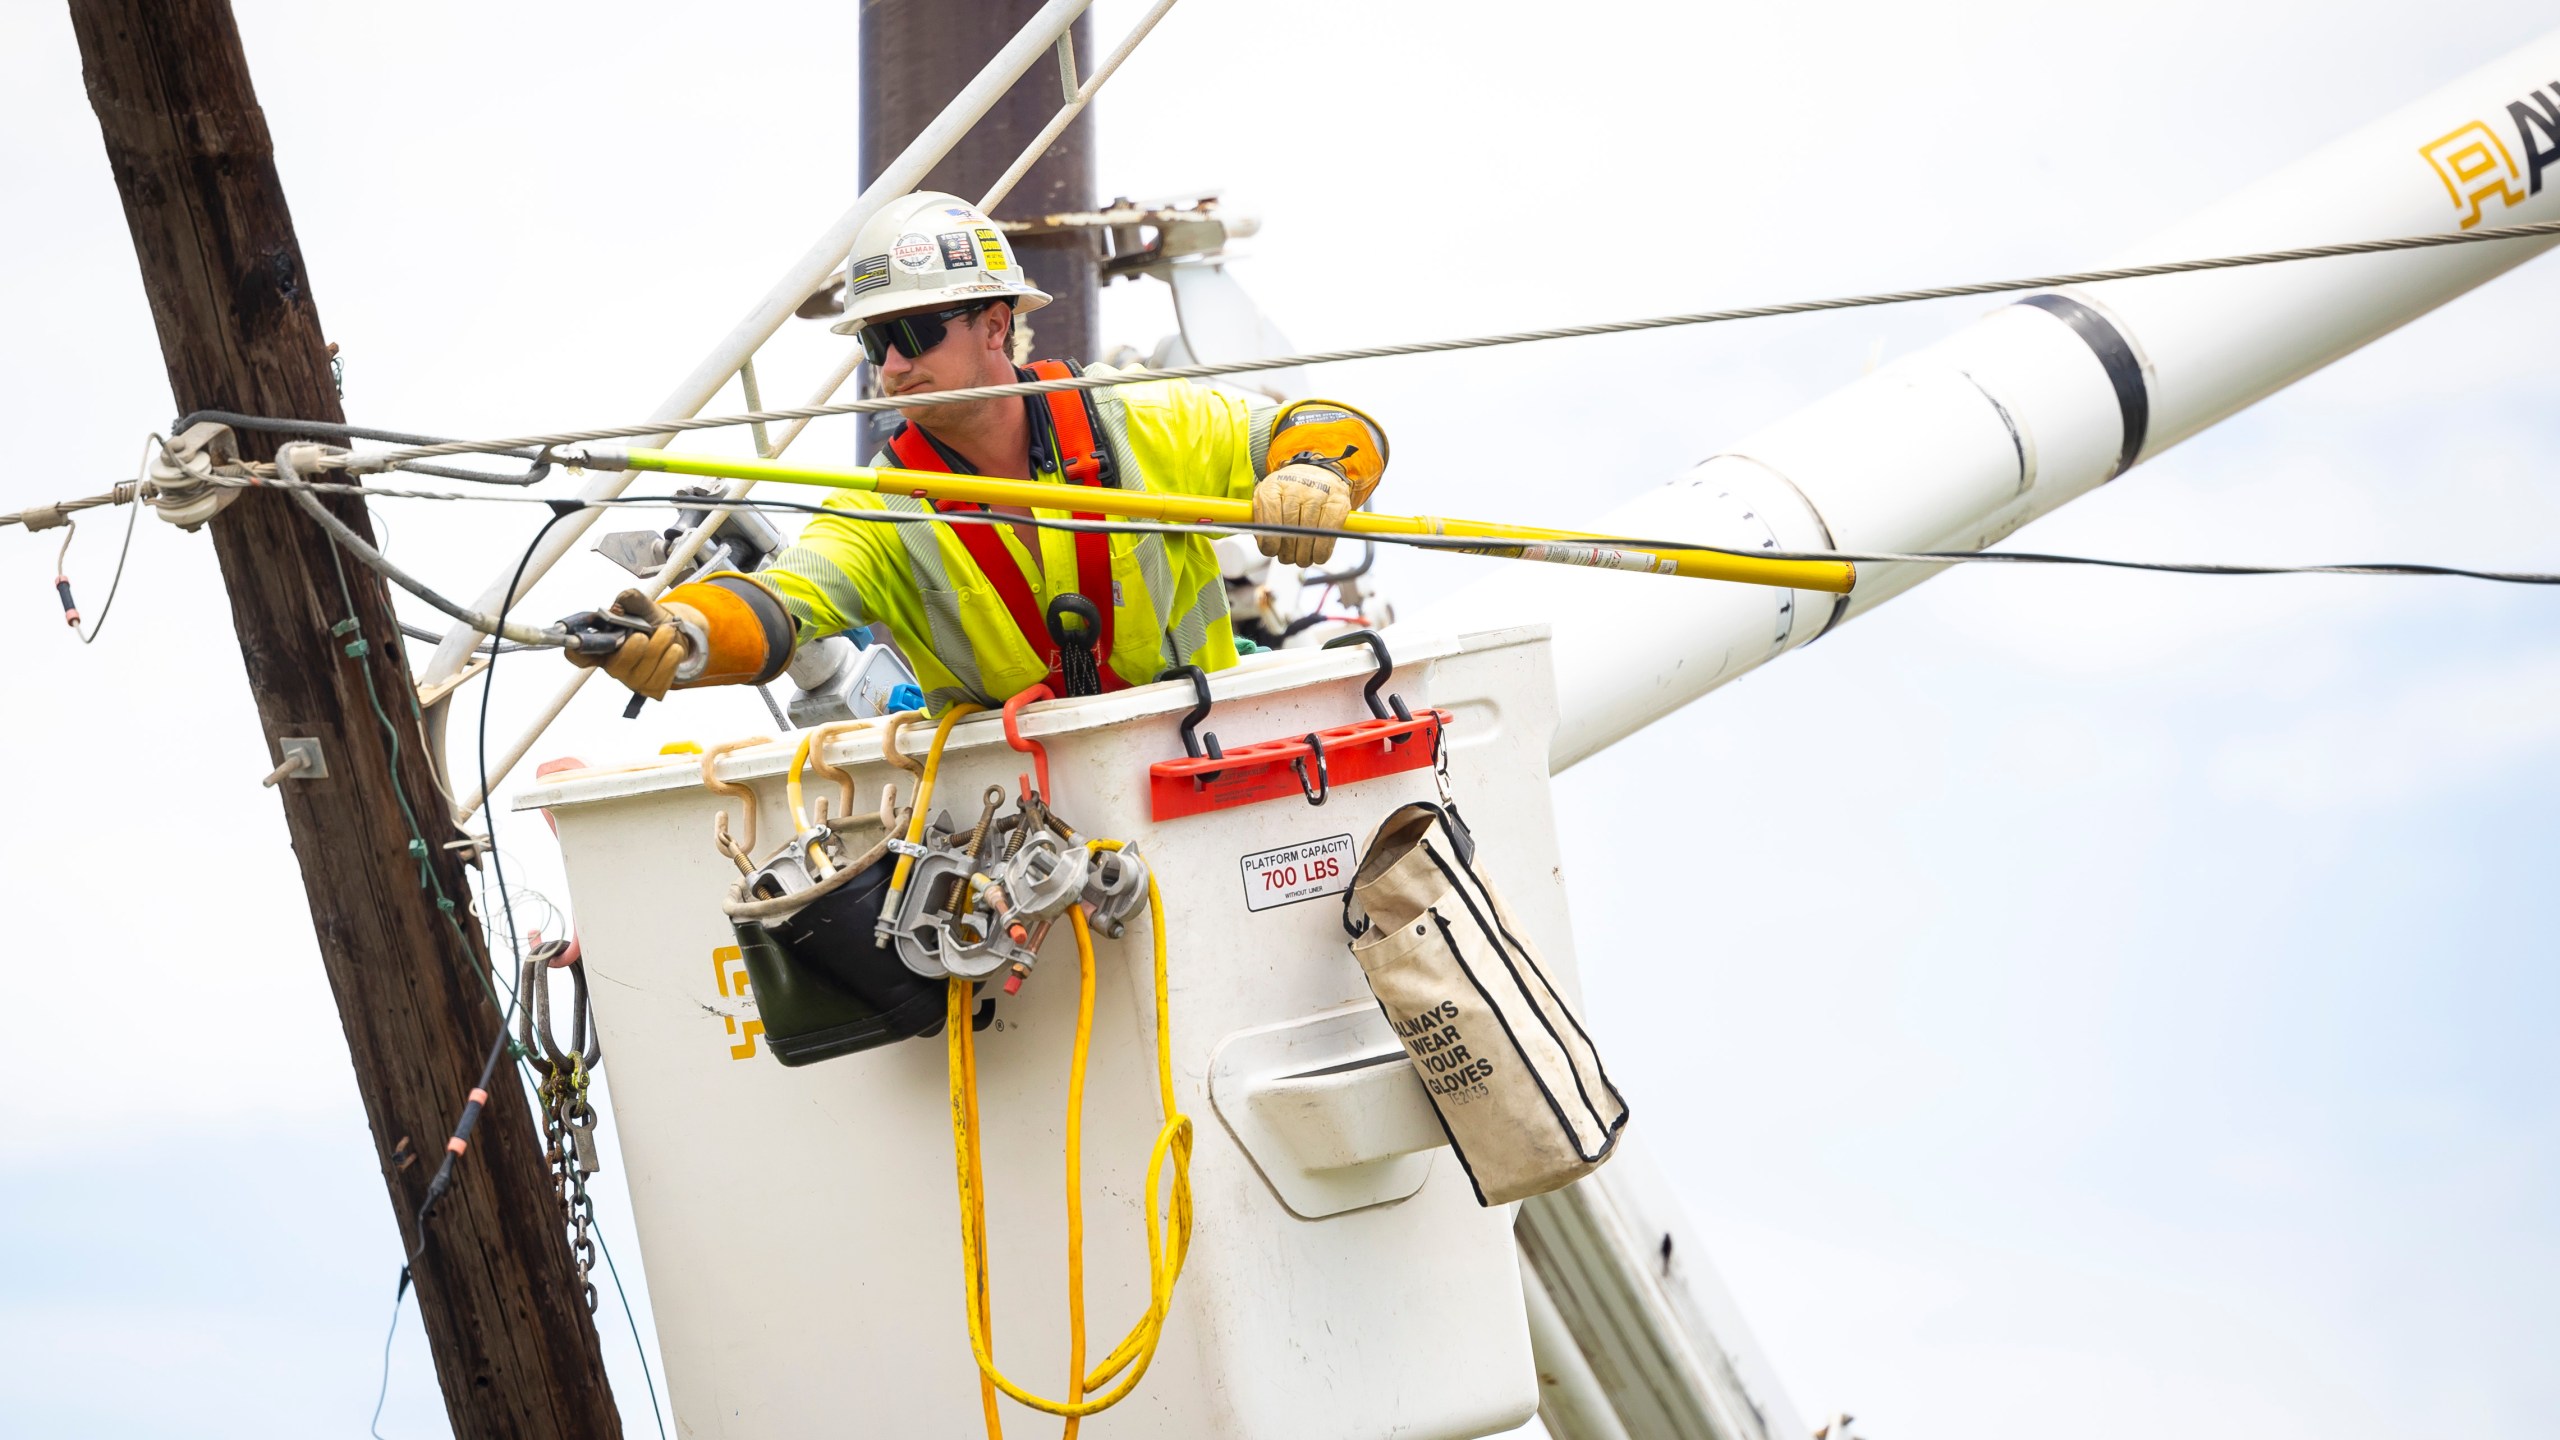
(2097, 1004)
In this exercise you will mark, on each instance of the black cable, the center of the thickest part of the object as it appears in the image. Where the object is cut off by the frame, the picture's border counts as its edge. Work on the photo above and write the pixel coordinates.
(632, 1321)
(475, 1104)
(462, 1128)
(1465, 544)
(114, 586)
(382, 1391)
(421, 632)
(488, 682)
(498, 877)
(1495, 545)
(1368, 558)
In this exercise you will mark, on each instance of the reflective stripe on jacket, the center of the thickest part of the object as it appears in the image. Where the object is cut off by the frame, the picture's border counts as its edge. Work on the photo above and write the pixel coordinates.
(1165, 436)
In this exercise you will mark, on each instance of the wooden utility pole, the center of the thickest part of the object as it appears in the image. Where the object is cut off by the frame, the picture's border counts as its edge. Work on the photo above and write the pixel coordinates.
(915, 55)
(515, 1349)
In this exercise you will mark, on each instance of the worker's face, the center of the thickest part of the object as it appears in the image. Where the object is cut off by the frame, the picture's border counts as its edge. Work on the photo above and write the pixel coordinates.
(972, 353)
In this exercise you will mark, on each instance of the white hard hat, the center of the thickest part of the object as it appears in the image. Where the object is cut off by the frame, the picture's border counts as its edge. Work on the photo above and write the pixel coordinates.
(930, 251)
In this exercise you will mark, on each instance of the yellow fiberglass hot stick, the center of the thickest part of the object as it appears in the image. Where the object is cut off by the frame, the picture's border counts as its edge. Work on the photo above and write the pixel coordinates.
(1510, 542)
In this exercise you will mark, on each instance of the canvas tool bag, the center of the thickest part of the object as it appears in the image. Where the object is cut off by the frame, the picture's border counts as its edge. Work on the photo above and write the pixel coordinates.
(1503, 1056)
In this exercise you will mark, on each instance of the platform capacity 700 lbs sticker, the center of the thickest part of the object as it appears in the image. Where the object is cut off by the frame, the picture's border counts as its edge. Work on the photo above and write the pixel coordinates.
(1297, 872)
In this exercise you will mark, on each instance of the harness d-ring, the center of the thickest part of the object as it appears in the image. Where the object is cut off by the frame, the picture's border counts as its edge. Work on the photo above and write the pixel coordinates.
(1079, 667)
(1322, 790)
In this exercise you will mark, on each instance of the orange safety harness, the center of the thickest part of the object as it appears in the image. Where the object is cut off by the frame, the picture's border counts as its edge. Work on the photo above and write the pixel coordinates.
(1082, 460)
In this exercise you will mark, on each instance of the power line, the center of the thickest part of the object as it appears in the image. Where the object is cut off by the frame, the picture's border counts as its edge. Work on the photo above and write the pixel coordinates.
(531, 446)
(1464, 545)
(394, 458)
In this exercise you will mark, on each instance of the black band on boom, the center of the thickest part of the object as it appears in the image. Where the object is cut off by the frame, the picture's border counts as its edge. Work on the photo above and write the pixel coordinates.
(2116, 357)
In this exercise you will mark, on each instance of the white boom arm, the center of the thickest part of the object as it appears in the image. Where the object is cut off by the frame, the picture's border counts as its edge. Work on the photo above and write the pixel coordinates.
(2041, 401)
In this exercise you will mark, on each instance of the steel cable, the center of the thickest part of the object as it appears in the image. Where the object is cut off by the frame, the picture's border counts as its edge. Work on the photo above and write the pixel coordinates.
(289, 480)
(393, 458)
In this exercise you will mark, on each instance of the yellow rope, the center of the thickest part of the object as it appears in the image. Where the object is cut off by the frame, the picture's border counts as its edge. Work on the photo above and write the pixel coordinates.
(924, 797)
(1168, 1232)
(791, 783)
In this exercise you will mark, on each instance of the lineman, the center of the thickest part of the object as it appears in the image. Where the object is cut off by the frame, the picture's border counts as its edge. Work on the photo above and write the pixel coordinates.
(986, 611)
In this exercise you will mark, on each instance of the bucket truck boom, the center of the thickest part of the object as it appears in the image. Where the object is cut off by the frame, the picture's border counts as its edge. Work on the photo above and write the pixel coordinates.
(2044, 400)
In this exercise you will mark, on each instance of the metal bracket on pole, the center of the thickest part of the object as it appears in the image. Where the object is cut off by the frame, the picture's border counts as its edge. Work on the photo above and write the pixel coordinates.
(300, 759)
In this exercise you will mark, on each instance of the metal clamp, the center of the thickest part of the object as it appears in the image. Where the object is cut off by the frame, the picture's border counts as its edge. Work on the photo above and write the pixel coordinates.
(1196, 743)
(1115, 888)
(1043, 878)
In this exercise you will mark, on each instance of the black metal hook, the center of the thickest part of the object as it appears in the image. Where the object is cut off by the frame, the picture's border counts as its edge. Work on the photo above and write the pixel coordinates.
(1386, 670)
(1322, 790)
(1195, 743)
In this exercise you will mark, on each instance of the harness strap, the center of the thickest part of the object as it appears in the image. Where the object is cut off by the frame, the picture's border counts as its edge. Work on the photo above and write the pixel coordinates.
(1082, 460)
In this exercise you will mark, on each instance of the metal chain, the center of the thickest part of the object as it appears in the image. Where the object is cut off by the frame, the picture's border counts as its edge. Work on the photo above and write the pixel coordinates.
(568, 1128)
(580, 1118)
(568, 1116)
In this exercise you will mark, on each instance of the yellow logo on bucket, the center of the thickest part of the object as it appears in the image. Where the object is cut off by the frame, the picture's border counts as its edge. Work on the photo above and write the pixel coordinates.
(733, 983)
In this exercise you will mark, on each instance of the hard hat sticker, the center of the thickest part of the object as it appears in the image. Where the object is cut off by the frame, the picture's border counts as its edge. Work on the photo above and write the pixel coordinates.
(870, 275)
(1273, 878)
(913, 251)
(957, 252)
(991, 249)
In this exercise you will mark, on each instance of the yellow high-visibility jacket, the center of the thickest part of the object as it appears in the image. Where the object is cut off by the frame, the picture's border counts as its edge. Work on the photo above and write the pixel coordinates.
(1165, 436)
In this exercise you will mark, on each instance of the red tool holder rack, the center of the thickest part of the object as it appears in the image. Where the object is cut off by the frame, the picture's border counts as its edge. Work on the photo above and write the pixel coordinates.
(1306, 767)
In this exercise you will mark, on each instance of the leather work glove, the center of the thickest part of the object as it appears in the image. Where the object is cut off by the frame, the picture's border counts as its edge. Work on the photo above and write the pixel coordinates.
(647, 658)
(1301, 494)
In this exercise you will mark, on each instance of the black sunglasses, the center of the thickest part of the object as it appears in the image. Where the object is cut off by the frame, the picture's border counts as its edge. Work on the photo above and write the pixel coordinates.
(912, 335)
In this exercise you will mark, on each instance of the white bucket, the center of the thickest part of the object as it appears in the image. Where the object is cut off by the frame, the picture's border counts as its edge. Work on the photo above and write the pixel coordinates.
(801, 1225)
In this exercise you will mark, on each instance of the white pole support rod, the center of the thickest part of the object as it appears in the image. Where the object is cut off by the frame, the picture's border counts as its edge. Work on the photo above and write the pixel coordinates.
(682, 556)
(2043, 400)
(1077, 99)
(1034, 40)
